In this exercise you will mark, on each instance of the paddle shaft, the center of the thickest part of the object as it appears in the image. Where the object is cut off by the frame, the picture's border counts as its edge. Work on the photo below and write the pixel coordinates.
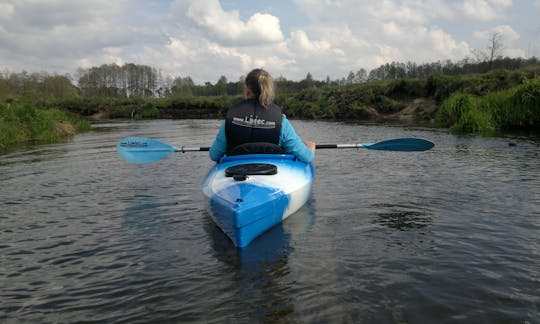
(193, 149)
(337, 146)
(318, 147)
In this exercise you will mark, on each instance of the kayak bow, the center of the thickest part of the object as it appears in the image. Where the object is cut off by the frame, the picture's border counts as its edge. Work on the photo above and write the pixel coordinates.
(249, 194)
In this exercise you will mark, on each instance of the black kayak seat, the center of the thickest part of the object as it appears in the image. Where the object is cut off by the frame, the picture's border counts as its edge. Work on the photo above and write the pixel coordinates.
(242, 171)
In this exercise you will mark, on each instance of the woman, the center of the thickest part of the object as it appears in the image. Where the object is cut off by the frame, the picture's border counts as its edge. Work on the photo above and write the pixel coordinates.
(257, 125)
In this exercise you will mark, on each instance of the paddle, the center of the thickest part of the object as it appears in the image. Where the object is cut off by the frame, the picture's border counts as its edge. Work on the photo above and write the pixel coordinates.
(147, 150)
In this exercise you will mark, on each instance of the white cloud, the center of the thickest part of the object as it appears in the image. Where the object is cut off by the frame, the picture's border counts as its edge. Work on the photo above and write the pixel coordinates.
(444, 45)
(375, 33)
(392, 29)
(225, 53)
(421, 44)
(206, 39)
(300, 42)
(318, 57)
(178, 50)
(45, 15)
(6, 11)
(227, 27)
(506, 39)
(504, 31)
(514, 52)
(314, 9)
(412, 11)
(61, 34)
(109, 55)
(484, 10)
(202, 59)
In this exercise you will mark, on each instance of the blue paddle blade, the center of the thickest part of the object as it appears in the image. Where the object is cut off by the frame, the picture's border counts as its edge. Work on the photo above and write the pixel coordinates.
(143, 150)
(401, 144)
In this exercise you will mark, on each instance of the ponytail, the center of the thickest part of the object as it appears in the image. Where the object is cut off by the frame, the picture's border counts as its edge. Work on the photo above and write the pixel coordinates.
(261, 84)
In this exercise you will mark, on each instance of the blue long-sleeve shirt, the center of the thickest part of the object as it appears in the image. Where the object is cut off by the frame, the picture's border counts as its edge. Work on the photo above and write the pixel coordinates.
(288, 139)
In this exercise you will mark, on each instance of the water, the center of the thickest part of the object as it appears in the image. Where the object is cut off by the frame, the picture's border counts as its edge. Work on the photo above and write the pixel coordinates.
(448, 235)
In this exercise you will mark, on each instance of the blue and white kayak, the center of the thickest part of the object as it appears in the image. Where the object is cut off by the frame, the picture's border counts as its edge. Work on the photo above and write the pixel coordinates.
(249, 194)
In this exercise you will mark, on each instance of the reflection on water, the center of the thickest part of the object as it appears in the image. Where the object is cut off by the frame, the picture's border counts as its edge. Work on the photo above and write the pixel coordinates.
(273, 245)
(404, 220)
(261, 268)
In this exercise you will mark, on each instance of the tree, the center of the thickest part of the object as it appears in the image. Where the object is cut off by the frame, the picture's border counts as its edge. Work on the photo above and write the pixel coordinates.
(111, 80)
(241, 84)
(495, 47)
(221, 86)
(360, 76)
(36, 86)
(307, 82)
(493, 50)
(350, 77)
(182, 86)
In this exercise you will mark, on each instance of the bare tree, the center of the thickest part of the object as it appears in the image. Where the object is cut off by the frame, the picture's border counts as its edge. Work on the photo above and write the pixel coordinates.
(493, 50)
(495, 47)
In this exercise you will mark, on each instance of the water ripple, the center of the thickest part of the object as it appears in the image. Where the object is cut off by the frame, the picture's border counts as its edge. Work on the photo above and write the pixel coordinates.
(446, 235)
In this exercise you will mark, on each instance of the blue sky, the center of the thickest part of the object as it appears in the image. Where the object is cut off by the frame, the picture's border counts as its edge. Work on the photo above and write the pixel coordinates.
(205, 39)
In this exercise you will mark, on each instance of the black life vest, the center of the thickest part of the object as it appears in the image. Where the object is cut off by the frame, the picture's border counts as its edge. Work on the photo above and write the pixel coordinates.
(249, 122)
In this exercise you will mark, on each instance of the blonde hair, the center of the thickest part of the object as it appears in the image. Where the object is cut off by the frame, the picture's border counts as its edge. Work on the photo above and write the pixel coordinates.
(261, 84)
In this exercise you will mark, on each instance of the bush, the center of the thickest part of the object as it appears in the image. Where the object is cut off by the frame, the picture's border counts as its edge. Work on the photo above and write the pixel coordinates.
(147, 110)
(515, 108)
(442, 87)
(474, 121)
(523, 108)
(405, 89)
(22, 123)
(462, 113)
(453, 108)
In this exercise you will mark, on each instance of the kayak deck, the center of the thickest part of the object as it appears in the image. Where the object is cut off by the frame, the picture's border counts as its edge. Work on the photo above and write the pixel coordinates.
(244, 209)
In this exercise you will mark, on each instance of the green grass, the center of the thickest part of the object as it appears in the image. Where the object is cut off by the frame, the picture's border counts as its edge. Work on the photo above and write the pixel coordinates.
(23, 123)
(521, 108)
(511, 109)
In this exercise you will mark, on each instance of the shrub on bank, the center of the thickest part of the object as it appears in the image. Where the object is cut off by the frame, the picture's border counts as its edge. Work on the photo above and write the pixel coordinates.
(460, 112)
(521, 107)
(23, 123)
(510, 109)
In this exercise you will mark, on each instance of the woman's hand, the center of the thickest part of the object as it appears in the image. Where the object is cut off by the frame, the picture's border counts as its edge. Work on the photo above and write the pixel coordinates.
(310, 145)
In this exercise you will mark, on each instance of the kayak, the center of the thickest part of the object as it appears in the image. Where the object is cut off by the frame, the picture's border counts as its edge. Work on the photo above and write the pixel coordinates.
(249, 194)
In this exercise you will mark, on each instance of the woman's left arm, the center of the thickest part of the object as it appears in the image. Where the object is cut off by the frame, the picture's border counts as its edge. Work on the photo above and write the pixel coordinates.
(219, 147)
(292, 143)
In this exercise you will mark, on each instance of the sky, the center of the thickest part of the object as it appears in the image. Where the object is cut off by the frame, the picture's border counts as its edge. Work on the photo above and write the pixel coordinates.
(205, 39)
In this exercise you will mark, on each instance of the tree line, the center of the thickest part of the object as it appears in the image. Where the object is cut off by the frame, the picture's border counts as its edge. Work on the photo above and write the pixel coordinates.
(112, 80)
(35, 86)
(411, 70)
(142, 81)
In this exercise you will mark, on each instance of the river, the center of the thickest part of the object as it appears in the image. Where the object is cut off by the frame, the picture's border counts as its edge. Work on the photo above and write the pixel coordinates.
(447, 235)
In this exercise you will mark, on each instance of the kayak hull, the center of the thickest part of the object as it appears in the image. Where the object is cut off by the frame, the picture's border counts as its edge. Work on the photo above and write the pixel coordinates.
(246, 208)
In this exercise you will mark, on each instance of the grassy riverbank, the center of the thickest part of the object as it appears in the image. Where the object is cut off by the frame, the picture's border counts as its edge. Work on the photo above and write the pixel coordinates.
(516, 108)
(498, 100)
(412, 101)
(24, 123)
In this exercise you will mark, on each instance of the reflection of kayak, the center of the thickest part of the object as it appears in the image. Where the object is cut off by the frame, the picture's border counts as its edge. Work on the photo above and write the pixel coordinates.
(251, 193)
